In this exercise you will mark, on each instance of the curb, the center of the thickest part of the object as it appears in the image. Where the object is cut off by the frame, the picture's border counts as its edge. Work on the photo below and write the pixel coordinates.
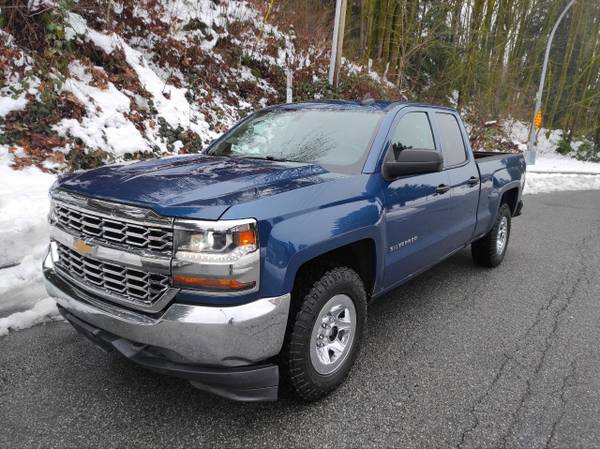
(564, 172)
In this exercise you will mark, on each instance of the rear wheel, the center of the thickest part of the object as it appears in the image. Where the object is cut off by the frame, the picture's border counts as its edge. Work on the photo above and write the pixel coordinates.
(324, 332)
(489, 251)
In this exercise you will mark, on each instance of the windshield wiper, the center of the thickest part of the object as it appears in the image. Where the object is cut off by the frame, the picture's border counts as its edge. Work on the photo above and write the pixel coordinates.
(266, 158)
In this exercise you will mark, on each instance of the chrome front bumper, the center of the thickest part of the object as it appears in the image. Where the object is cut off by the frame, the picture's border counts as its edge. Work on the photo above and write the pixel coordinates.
(210, 336)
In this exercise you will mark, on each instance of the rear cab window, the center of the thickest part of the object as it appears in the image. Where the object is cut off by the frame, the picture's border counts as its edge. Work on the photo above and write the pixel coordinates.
(453, 145)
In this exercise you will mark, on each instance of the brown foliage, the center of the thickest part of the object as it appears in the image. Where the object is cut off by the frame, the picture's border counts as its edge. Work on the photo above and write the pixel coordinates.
(490, 136)
(115, 68)
(9, 55)
(38, 149)
(69, 107)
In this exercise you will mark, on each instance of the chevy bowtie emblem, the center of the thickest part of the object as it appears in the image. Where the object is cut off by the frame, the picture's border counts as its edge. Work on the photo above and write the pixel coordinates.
(81, 247)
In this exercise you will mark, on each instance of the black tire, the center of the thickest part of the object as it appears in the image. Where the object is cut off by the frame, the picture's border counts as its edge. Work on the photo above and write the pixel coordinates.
(485, 250)
(313, 292)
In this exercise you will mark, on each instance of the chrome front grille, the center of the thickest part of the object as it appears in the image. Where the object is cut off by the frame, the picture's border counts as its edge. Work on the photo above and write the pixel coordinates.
(152, 237)
(113, 251)
(130, 285)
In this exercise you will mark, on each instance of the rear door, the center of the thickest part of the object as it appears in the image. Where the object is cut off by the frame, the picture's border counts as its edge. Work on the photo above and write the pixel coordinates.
(463, 174)
(417, 208)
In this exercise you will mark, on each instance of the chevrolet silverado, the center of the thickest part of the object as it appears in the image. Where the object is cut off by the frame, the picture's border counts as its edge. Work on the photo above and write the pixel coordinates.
(251, 265)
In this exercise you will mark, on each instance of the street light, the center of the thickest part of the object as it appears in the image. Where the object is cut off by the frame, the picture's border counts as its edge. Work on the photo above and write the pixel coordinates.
(338, 42)
(530, 156)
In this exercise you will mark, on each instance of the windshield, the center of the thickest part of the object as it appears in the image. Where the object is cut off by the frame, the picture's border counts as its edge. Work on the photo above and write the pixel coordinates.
(336, 139)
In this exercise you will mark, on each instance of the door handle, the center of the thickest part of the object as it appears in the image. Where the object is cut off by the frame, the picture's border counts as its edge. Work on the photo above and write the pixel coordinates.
(442, 188)
(473, 180)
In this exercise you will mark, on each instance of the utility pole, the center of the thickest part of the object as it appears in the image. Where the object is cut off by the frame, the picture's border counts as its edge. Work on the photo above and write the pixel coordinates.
(338, 42)
(288, 87)
(537, 112)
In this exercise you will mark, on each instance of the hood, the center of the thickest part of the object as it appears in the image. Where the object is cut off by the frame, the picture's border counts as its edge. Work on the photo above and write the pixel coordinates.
(196, 186)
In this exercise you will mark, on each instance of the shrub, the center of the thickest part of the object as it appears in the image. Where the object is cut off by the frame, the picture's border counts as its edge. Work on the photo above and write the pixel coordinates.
(587, 152)
(37, 30)
(259, 69)
(564, 146)
(80, 159)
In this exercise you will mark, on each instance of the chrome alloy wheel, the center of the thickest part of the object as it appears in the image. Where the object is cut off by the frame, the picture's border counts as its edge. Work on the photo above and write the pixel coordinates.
(502, 235)
(333, 334)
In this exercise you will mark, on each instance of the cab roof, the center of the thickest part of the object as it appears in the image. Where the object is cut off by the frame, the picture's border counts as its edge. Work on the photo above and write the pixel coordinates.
(367, 105)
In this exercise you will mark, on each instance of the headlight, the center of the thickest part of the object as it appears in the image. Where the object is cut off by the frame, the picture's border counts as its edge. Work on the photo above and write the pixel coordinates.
(214, 241)
(216, 256)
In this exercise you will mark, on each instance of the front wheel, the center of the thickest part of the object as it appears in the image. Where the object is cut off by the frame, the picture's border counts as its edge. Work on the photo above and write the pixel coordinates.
(489, 251)
(324, 333)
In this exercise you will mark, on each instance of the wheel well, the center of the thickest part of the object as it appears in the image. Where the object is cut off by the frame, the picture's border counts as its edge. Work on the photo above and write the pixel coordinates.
(360, 256)
(510, 197)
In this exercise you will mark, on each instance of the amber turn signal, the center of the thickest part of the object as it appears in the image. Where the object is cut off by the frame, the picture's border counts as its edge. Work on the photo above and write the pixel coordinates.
(247, 237)
(213, 284)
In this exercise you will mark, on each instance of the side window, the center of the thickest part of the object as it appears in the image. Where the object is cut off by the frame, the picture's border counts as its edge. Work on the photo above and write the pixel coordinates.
(452, 142)
(413, 132)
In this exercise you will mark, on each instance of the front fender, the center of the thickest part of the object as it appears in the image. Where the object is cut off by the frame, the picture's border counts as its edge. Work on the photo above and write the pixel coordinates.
(299, 239)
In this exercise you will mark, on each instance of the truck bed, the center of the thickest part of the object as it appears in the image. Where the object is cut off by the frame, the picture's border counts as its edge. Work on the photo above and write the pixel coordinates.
(490, 162)
(492, 154)
(497, 172)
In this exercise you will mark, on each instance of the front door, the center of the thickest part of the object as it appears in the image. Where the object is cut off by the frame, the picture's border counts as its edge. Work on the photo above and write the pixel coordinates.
(416, 207)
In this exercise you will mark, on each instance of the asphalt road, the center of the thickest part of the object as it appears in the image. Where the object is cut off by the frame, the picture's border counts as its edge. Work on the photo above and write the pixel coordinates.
(459, 357)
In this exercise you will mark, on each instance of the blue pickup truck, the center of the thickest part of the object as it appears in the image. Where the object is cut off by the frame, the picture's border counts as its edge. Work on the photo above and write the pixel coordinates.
(252, 264)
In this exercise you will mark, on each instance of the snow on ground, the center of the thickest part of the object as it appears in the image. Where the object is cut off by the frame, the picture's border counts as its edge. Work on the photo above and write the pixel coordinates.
(552, 174)
(547, 159)
(212, 14)
(554, 182)
(546, 164)
(105, 125)
(553, 171)
(547, 140)
(44, 310)
(23, 210)
(9, 100)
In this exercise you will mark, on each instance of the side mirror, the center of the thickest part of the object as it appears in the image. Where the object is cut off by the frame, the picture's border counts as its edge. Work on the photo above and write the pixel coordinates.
(413, 162)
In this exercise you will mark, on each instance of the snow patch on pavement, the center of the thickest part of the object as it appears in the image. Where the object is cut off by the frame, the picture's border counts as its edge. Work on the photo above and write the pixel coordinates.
(555, 182)
(552, 171)
(545, 164)
(44, 310)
